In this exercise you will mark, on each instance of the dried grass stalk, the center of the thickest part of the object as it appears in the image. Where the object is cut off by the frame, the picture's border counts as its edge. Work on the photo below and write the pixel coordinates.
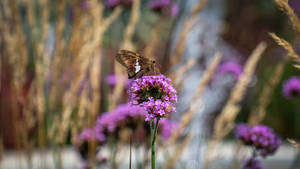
(179, 72)
(287, 46)
(134, 17)
(126, 44)
(225, 121)
(155, 39)
(179, 49)
(171, 162)
(188, 115)
(297, 66)
(229, 112)
(88, 55)
(15, 42)
(285, 7)
(195, 104)
(208, 75)
(258, 113)
(294, 143)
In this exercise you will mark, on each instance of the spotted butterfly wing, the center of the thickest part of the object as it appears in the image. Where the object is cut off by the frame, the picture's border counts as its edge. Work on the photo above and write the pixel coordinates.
(137, 65)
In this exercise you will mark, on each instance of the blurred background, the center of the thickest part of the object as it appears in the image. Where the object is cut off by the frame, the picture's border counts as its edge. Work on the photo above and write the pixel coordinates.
(59, 78)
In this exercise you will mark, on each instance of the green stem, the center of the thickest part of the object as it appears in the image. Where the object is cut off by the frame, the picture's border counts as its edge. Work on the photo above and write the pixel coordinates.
(154, 133)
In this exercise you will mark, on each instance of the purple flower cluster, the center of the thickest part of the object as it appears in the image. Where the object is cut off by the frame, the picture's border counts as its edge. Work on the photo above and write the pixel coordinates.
(260, 136)
(155, 94)
(114, 3)
(111, 120)
(253, 163)
(86, 136)
(114, 79)
(291, 87)
(164, 6)
(167, 127)
(110, 123)
(231, 67)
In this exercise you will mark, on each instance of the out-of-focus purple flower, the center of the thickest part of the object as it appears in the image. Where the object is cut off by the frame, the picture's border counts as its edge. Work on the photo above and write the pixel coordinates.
(231, 67)
(125, 114)
(155, 94)
(174, 10)
(167, 128)
(260, 136)
(87, 135)
(110, 120)
(242, 132)
(291, 87)
(114, 3)
(159, 5)
(113, 80)
(85, 5)
(253, 163)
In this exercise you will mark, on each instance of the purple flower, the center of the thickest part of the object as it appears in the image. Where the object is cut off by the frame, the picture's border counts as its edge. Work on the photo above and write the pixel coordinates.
(167, 128)
(87, 135)
(253, 163)
(113, 80)
(291, 87)
(231, 67)
(155, 94)
(110, 121)
(174, 10)
(124, 115)
(260, 136)
(242, 132)
(159, 5)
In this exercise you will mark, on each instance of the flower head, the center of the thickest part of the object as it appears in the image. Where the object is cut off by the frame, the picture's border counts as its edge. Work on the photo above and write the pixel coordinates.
(291, 87)
(260, 136)
(130, 116)
(231, 67)
(82, 139)
(155, 94)
(253, 163)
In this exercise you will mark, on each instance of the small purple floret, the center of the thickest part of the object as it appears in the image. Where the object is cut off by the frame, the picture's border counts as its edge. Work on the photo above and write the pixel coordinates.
(291, 87)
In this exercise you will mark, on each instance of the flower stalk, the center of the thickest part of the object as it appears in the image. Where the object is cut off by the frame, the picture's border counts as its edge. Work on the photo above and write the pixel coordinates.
(154, 128)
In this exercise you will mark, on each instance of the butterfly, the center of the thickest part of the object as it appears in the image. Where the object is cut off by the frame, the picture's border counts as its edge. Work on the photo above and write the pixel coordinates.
(137, 65)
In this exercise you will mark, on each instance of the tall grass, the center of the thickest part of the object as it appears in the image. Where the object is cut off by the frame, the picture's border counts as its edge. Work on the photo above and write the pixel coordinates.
(58, 57)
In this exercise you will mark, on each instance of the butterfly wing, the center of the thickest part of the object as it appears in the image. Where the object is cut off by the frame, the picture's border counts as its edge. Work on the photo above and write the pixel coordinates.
(127, 58)
(137, 65)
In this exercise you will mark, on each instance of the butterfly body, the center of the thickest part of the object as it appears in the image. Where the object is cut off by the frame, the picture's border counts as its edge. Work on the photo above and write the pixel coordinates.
(137, 65)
